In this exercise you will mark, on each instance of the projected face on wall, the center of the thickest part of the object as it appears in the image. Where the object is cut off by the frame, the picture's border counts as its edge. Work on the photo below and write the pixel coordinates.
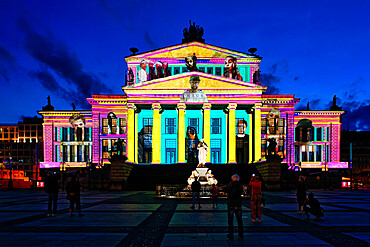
(77, 121)
(192, 141)
(273, 121)
(241, 128)
(231, 70)
(194, 95)
(145, 144)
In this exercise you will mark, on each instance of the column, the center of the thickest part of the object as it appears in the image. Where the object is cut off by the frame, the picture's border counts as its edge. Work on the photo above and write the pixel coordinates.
(181, 132)
(136, 157)
(232, 140)
(131, 124)
(250, 158)
(257, 131)
(156, 134)
(207, 128)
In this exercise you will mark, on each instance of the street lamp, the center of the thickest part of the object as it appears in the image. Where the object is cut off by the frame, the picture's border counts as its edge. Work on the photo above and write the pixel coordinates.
(9, 164)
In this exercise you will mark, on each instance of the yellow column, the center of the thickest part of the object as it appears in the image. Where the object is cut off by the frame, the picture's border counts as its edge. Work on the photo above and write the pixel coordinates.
(181, 132)
(250, 160)
(207, 128)
(136, 158)
(232, 140)
(131, 132)
(156, 134)
(257, 131)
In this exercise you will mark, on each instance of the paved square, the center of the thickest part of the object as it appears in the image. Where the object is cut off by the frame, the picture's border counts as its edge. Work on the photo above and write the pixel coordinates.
(137, 218)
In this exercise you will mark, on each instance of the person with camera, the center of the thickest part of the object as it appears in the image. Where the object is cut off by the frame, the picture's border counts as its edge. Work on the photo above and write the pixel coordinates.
(256, 197)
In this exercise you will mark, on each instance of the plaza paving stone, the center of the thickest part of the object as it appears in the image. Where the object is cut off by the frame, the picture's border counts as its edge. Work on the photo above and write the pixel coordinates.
(137, 218)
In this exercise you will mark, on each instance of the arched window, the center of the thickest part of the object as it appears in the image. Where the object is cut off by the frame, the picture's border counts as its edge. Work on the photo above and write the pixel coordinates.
(304, 131)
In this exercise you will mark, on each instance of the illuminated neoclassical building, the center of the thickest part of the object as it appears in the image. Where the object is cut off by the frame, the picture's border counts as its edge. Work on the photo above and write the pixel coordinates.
(178, 95)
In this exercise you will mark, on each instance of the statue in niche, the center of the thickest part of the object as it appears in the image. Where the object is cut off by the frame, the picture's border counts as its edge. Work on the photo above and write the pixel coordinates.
(202, 152)
(231, 69)
(159, 68)
(142, 74)
(130, 77)
(194, 33)
(192, 142)
(152, 74)
(256, 77)
(166, 69)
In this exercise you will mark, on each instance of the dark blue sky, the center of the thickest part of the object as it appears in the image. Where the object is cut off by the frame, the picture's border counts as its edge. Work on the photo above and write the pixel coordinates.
(72, 49)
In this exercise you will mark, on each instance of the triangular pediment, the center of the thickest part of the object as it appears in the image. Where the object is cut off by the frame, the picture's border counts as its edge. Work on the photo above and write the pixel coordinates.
(201, 50)
(207, 82)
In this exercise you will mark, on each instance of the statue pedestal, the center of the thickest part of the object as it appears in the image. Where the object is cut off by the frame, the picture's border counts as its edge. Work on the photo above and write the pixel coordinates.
(202, 175)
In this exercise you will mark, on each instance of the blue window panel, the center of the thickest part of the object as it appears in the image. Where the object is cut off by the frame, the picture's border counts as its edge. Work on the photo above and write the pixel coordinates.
(215, 125)
(170, 125)
(171, 143)
(216, 143)
(194, 122)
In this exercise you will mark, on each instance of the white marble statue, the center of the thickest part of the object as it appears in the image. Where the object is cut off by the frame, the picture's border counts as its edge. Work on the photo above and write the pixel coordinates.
(203, 151)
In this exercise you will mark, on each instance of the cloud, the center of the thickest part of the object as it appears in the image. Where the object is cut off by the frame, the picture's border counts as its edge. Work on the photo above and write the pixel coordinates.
(5, 75)
(6, 56)
(148, 39)
(7, 60)
(64, 63)
(49, 82)
(358, 119)
(271, 82)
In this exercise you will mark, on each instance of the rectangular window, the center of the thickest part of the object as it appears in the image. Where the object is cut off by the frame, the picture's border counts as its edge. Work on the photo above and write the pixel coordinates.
(215, 125)
(318, 153)
(202, 69)
(104, 126)
(79, 134)
(218, 71)
(184, 69)
(56, 134)
(176, 70)
(79, 153)
(56, 158)
(87, 134)
(148, 122)
(71, 134)
(105, 150)
(72, 153)
(304, 153)
(170, 125)
(86, 154)
(319, 134)
(311, 154)
(216, 151)
(194, 122)
(210, 70)
(64, 134)
(122, 126)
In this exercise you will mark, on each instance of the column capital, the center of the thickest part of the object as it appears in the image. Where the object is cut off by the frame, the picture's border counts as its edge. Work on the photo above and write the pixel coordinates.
(181, 106)
(207, 106)
(232, 106)
(156, 106)
(131, 106)
(257, 106)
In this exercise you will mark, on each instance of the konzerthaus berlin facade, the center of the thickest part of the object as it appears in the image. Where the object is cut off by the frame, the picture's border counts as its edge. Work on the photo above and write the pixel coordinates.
(160, 116)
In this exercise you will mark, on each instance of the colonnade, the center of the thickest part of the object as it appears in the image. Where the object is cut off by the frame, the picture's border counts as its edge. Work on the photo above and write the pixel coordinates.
(254, 138)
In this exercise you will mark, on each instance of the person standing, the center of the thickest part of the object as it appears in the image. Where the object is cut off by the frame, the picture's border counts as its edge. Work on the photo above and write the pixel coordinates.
(195, 187)
(52, 188)
(234, 192)
(301, 193)
(255, 184)
(214, 192)
(73, 194)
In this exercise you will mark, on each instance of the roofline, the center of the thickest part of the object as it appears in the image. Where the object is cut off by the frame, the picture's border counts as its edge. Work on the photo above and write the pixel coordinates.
(256, 56)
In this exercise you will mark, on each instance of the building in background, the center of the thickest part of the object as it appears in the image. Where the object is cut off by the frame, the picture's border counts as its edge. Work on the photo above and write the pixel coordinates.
(21, 145)
(205, 91)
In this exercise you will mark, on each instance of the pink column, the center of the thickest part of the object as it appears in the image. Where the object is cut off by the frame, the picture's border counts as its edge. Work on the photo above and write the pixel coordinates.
(48, 142)
(95, 137)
